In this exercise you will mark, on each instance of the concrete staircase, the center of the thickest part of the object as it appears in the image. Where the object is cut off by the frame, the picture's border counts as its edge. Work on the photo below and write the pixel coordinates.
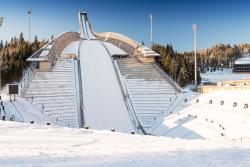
(54, 93)
(150, 92)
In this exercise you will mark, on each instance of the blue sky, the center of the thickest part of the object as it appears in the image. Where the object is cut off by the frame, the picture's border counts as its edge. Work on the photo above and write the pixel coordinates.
(219, 21)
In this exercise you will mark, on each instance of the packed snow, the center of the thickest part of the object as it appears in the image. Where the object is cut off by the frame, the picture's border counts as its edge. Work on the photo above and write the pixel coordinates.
(22, 110)
(223, 75)
(104, 106)
(36, 145)
(195, 129)
(207, 116)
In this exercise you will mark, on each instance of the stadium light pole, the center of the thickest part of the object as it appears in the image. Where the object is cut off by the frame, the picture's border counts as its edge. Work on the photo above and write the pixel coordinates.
(151, 28)
(1, 22)
(194, 26)
(29, 13)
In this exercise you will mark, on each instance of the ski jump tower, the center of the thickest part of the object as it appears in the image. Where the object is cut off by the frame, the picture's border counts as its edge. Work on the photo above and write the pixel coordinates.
(85, 27)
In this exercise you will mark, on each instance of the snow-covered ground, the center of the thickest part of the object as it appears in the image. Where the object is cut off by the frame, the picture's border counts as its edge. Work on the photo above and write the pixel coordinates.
(23, 110)
(198, 119)
(225, 75)
(36, 145)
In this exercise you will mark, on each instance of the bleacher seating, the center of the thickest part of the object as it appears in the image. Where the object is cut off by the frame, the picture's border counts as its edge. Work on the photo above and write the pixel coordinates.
(54, 93)
(149, 91)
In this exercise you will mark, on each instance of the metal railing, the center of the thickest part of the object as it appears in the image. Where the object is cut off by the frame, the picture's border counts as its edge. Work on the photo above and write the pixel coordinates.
(79, 92)
(177, 88)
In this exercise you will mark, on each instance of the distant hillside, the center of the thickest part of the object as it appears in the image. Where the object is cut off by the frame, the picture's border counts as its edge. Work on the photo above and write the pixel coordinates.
(222, 55)
(180, 66)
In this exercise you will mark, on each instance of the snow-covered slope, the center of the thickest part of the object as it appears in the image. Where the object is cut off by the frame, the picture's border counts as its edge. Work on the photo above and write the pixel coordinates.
(104, 106)
(36, 145)
(24, 111)
(197, 118)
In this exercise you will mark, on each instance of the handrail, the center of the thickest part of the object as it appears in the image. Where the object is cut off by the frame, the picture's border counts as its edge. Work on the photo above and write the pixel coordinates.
(170, 81)
(135, 120)
(79, 93)
(134, 113)
(167, 111)
(39, 50)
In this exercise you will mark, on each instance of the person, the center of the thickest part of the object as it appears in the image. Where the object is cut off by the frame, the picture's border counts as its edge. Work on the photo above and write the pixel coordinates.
(42, 107)
(3, 116)
(13, 117)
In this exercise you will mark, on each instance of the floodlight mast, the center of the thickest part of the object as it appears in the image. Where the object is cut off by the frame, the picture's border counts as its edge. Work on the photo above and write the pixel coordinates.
(29, 13)
(194, 26)
(151, 28)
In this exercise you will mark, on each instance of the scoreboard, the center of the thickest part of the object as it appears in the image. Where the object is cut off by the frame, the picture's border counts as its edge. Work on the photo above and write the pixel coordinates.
(12, 89)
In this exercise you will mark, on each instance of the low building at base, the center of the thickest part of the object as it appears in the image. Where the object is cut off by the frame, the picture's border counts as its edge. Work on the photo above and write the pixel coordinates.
(242, 65)
(243, 84)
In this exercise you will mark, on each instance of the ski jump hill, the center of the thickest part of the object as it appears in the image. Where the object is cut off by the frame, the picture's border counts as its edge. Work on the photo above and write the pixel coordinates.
(107, 81)
(98, 80)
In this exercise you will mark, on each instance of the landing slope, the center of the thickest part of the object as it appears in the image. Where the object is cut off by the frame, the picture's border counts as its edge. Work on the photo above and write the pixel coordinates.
(104, 107)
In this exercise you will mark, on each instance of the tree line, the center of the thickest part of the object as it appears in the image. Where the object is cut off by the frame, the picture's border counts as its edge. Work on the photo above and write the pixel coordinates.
(13, 56)
(221, 56)
(180, 66)
(177, 65)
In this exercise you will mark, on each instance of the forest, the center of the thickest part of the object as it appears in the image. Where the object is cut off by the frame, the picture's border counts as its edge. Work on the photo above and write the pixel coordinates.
(13, 55)
(180, 66)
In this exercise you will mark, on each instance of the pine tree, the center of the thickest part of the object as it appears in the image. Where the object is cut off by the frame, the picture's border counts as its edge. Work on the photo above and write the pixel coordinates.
(183, 76)
(1, 45)
(35, 45)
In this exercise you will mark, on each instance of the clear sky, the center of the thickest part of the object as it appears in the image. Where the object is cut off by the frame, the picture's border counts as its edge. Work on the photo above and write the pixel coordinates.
(219, 21)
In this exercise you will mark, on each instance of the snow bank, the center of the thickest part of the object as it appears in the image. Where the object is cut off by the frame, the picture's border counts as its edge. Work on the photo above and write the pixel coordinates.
(36, 145)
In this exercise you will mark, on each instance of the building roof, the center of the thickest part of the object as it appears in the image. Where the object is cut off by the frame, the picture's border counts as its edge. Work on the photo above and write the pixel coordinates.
(243, 60)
